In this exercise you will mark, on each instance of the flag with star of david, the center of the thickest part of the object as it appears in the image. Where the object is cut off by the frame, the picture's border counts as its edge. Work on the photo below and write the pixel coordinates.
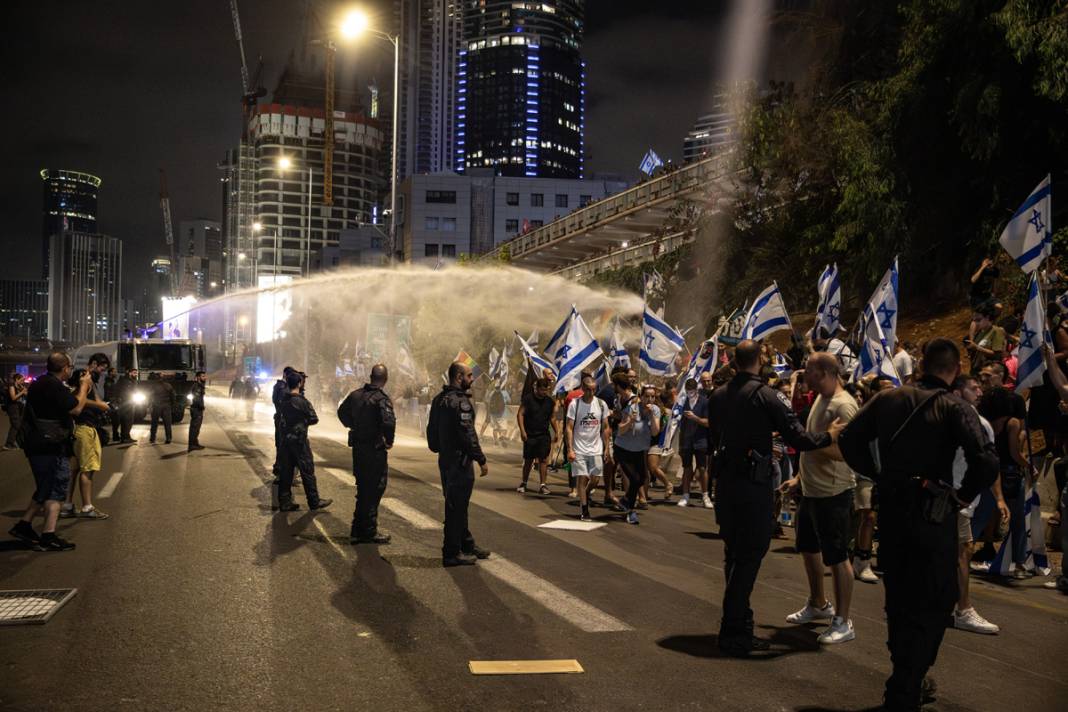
(540, 365)
(1028, 237)
(876, 353)
(704, 359)
(556, 342)
(579, 350)
(661, 343)
(767, 315)
(1033, 334)
(829, 309)
(617, 349)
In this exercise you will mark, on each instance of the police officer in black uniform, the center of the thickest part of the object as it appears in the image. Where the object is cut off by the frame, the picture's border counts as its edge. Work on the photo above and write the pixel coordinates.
(368, 414)
(743, 414)
(296, 415)
(196, 410)
(918, 430)
(278, 393)
(163, 402)
(450, 433)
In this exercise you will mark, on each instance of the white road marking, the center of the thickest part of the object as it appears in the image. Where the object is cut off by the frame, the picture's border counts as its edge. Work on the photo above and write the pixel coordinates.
(413, 516)
(342, 476)
(329, 540)
(571, 608)
(109, 488)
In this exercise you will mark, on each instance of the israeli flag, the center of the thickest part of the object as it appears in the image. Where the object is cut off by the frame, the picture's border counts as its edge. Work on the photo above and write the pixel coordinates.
(1028, 237)
(829, 309)
(557, 341)
(650, 162)
(660, 344)
(578, 351)
(876, 354)
(1033, 334)
(1035, 547)
(602, 375)
(767, 315)
(617, 349)
(779, 364)
(535, 360)
(883, 305)
(704, 359)
(498, 372)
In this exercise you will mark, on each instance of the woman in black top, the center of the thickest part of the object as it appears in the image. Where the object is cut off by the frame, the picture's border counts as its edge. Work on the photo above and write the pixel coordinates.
(15, 404)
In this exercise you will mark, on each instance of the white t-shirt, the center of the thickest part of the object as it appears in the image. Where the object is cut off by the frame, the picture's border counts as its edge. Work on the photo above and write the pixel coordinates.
(903, 363)
(588, 419)
(960, 466)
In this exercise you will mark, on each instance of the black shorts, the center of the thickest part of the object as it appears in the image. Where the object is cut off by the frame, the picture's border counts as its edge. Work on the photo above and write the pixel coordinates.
(536, 447)
(688, 456)
(823, 526)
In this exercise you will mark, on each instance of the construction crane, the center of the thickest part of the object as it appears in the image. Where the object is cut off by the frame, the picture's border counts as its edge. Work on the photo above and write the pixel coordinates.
(251, 91)
(168, 229)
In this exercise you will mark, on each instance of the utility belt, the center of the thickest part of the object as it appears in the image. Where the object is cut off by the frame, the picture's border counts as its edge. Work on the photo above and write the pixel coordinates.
(923, 499)
(749, 464)
(358, 444)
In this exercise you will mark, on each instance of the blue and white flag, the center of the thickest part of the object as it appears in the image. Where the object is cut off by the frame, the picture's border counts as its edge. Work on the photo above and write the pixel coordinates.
(1033, 334)
(660, 344)
(704, 359)
(578, 351)
(602, 375)
(535, 360)
(1028, 237)
(557, 339)
(617, 349)
(767, 315)
(876, 354)
(779, 364)
(883, 305)
(1035, 546)
(650, 162)
(498, 371)
(829, 309)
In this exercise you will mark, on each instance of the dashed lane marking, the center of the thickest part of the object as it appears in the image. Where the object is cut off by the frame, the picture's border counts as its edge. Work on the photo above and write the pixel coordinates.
(412, 515)
(109, 488)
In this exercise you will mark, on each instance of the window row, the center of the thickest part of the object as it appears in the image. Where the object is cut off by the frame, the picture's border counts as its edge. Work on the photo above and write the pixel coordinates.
(433, 249)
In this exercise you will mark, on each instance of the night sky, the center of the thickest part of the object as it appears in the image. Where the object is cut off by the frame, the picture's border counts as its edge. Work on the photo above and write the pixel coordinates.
(121, 89)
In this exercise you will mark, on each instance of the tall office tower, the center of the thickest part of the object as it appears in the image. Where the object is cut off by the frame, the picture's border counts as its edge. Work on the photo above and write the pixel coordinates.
(430, 41)
(712, 133)
(84, 288)
(69, 204)
(520, 105)
(24, 308)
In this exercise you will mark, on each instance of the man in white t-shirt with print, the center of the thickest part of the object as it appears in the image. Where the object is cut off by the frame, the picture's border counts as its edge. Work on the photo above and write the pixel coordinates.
(589, 437)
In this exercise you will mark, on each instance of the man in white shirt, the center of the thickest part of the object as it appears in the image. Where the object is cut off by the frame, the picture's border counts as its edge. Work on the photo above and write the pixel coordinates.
(589, 437)
(903, 362)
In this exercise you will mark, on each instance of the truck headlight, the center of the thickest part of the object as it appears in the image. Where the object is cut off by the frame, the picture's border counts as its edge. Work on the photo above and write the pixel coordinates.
(189, 397)
(139, 398)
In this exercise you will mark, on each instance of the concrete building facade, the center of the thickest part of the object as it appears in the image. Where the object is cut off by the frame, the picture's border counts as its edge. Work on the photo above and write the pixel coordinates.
(84, 288)
(69, 203)
(24, 308)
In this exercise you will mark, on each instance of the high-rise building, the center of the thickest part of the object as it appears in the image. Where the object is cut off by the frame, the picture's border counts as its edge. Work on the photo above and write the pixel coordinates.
(69, 204)
(200, 257)
(24, 307)
(712, 133)
(430, 40)
(159, 286)
(84, 287)
(520, 105)
(276, 219)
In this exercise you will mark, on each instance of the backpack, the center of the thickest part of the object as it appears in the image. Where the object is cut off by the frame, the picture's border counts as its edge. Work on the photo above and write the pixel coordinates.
(432, 440)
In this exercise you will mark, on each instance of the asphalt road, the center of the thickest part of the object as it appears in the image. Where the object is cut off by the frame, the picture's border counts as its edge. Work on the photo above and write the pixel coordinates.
(196, 596)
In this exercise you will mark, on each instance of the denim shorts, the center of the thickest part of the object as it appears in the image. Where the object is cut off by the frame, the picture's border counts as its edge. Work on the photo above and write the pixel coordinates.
(51, 473)
(587, 466)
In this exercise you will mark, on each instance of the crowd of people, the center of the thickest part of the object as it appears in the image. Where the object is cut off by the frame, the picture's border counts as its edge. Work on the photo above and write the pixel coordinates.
(64, 419)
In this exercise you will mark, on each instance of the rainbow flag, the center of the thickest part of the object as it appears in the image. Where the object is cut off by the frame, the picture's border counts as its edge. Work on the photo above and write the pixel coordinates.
(465, 358)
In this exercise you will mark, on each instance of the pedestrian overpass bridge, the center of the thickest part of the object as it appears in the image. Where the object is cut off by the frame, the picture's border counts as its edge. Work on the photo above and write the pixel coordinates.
(626, 228)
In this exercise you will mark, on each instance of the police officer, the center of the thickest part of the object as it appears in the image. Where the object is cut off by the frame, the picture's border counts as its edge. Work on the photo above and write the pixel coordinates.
(163, 402)
(124, 394)
(368, 414)
(450, 433)
(196, 411)
(743, 414)
(918, 430)
(296, 415)
(278, 393)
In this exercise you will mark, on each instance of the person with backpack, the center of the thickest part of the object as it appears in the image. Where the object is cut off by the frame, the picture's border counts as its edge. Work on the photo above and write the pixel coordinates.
(46, 437)
(14, 402)
(451, 434)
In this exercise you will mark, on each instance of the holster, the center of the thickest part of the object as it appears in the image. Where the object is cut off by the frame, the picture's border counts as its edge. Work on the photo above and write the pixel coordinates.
(932, 502)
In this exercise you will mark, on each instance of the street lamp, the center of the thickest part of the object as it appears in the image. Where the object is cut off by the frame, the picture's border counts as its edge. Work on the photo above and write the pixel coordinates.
(284, 163)
(355, 24)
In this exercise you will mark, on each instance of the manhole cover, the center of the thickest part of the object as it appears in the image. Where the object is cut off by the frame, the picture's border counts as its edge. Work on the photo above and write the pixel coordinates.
(32, 606)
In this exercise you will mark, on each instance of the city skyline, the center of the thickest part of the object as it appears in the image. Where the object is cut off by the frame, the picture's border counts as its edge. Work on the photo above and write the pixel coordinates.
(157, 129)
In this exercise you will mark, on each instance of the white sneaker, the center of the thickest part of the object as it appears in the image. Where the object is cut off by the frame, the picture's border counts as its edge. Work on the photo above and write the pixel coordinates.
(839, 631)
(862, 571)
(707, 501)
(970, 620)
(684, 501)
(810, 613)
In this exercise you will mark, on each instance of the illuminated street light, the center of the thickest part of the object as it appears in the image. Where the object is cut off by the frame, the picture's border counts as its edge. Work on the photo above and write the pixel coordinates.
(284, 163)
(354, 24)
(240, 255)
(257, 226)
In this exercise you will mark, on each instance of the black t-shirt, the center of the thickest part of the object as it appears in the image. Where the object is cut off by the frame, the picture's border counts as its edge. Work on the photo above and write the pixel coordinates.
(537, 414)
(983, 287)
(50, 399)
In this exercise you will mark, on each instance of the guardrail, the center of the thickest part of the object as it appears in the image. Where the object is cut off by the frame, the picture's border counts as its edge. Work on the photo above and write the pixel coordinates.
(686, 179)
